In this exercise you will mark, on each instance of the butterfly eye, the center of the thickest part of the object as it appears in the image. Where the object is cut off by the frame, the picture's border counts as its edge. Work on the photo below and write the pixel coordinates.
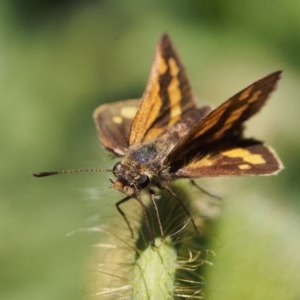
(142, 180)
(116, 168)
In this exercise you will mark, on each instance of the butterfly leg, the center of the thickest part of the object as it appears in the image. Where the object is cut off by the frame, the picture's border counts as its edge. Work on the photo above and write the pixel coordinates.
(193, 182)
(145, 213)
(153, 198)
(123, 214)
(147, 220)
(184, 208)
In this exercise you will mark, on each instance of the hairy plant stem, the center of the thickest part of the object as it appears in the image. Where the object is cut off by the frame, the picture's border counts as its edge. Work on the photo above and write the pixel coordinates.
(172, 268)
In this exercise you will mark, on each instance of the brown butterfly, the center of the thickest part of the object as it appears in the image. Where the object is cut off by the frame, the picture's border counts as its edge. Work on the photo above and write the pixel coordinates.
(164, 136)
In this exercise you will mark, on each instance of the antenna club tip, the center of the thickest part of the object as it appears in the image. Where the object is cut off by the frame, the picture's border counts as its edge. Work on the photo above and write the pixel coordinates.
(43, 174)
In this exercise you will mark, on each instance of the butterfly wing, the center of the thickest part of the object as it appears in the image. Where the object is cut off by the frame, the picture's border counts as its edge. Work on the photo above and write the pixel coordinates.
(113, 122)
(248, 157)
(220, 133)
(167, 96)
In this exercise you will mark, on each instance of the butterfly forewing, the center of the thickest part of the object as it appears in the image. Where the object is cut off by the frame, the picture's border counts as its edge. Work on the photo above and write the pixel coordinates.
(167, 96)
(249, 158)
(113, 122)
(223, 127)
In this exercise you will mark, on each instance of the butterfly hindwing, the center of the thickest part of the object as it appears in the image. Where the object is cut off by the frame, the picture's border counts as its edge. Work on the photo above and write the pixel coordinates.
(167, 96)
(223, 126)
(113, 122)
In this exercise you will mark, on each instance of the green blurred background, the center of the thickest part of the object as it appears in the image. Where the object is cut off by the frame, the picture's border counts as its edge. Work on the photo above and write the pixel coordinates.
(61, 59)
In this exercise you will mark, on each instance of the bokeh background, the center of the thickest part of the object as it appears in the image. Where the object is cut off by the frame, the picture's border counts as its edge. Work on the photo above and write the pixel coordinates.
(61, 59)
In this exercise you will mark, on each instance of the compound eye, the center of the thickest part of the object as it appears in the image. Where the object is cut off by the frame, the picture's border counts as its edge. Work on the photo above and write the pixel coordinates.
(143, 180)
(116, 168)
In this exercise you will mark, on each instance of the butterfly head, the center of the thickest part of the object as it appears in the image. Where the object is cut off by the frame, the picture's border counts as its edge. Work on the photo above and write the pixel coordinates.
(129, 179)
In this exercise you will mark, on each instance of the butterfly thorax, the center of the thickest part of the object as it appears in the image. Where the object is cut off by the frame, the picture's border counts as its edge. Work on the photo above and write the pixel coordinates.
(143, 165)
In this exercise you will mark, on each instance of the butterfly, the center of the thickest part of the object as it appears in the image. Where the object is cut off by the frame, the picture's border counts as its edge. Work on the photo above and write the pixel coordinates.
(164, 136)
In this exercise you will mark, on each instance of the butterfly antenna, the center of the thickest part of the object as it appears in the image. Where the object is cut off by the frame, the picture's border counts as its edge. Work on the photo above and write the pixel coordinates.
(43, 174)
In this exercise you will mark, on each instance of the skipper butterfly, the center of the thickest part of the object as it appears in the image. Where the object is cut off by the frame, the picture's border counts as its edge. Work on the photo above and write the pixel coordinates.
(164, 136)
